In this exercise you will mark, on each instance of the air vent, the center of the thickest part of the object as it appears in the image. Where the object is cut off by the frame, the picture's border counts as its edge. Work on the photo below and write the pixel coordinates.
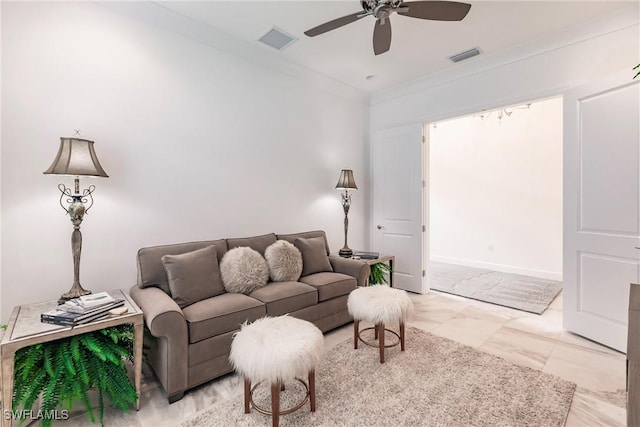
(465, 55)
(277, 39)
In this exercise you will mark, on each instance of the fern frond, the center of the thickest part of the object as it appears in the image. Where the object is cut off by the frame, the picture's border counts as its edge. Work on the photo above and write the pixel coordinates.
(92, 343)
(75, 348)
(81, 393)
(72, 366)
(379, 273)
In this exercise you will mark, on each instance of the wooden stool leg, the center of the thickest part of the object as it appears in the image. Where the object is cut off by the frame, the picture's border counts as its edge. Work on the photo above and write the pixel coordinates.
(312, 390)
(381, 341)
(375, 333)
(282, 387)
(247, 394)
(401, 336)
(356, 329)
(275, 403)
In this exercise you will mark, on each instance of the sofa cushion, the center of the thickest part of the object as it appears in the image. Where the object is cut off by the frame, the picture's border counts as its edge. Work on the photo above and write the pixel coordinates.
(210, 348)
(314, 255)
(193, 276)
(285, 297)
(330, 285)
(284, 260)
(305, 235)
(217, 315)
(151, 272)
(257, 243)
(243, 270)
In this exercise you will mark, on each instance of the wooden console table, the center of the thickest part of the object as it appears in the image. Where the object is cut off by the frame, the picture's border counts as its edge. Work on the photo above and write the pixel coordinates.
(25, 329)
(633, 358)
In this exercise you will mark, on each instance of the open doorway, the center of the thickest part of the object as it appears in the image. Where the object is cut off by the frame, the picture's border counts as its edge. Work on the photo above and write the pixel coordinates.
(495, 205)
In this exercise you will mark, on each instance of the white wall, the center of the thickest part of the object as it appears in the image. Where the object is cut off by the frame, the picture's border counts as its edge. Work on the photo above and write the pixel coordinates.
(495, 191)
(198, 143)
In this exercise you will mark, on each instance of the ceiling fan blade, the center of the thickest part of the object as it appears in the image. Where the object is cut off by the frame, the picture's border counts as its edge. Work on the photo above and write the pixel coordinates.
(336, 23)
(436, 10)
(382, 36)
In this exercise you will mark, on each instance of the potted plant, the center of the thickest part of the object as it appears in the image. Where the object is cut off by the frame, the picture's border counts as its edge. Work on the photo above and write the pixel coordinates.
(64, 370)
(379, 274)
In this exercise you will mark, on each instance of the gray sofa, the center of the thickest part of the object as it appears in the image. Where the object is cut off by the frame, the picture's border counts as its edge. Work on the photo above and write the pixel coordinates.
(192, 345)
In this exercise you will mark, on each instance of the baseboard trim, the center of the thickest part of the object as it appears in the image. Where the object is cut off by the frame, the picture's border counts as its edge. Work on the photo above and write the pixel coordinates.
(499, 267)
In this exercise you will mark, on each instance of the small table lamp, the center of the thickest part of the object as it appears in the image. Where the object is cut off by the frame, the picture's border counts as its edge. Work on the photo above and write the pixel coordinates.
(76, 157)
(346, 183)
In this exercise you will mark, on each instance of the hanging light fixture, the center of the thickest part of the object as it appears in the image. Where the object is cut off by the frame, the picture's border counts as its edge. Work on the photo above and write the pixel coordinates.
(503, 112)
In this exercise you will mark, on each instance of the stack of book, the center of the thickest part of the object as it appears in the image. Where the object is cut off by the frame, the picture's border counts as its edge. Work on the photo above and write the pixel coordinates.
(366, 255)
(82, 310)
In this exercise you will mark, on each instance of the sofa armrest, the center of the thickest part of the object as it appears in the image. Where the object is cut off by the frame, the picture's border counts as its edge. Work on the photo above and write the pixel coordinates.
(353, 267)
(165, 321)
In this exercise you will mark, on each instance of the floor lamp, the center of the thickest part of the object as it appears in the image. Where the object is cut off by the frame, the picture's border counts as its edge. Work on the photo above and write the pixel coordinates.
(76, 157)
(346, 183)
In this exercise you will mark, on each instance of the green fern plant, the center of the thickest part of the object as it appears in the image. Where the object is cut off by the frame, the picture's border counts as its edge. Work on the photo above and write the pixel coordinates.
(379, 273)
(64, 370)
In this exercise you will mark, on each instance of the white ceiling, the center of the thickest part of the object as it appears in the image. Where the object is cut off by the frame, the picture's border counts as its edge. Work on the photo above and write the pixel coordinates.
(419, 48)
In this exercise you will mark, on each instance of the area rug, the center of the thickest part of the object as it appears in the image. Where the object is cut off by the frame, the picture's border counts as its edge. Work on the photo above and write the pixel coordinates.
(435, 382)
(524, 293)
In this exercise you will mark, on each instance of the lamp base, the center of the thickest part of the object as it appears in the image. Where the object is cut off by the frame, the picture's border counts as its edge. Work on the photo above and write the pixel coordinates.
(76, 291)
(345, 252)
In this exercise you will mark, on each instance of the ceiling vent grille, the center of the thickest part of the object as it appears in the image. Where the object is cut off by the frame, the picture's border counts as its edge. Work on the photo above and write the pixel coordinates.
(277, 39)
(465, 55)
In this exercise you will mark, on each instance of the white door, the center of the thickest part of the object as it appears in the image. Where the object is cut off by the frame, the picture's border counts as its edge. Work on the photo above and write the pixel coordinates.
(397, 202)
(601, 207)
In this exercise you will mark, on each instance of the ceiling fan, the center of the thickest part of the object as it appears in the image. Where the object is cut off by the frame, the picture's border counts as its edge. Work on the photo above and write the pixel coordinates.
(382, 10)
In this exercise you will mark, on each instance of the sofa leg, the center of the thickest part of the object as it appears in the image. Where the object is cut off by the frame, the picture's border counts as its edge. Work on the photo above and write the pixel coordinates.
(175, 397)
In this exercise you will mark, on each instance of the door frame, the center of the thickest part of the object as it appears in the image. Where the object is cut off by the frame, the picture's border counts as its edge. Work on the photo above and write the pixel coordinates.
(426, 207)
(426, 122)
(426, 159)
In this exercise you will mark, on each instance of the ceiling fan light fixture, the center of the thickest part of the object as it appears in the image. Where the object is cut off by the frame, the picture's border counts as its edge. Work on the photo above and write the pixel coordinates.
(465, 55)
(435, 10)
(278, 39)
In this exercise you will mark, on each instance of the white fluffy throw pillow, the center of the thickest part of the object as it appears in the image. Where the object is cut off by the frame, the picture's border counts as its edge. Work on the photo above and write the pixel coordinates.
(285, 261)
(243, 270)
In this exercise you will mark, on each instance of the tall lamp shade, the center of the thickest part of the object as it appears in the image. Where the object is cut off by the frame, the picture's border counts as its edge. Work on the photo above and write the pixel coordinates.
(346, 182)
(76, 157)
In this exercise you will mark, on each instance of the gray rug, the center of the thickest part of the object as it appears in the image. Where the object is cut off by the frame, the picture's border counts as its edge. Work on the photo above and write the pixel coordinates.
(435, 382)
(524, 293)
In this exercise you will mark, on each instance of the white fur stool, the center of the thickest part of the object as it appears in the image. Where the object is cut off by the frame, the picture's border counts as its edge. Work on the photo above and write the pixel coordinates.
(276, 350)
(380, 305)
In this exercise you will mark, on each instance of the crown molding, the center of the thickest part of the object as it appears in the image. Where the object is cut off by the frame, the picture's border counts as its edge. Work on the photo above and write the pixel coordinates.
(156, 15)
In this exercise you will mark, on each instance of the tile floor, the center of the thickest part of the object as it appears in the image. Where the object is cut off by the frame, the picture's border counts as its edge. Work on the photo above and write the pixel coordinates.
(537, 341)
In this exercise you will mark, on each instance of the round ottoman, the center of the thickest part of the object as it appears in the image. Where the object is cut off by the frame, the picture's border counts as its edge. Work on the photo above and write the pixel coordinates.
(380, 305)
(277, 350)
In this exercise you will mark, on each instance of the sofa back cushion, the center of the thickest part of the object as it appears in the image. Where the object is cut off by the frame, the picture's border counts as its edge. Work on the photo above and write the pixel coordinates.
(257, 243)
(291, 238)
(151, 272)
(314, 255)
(193, 276)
